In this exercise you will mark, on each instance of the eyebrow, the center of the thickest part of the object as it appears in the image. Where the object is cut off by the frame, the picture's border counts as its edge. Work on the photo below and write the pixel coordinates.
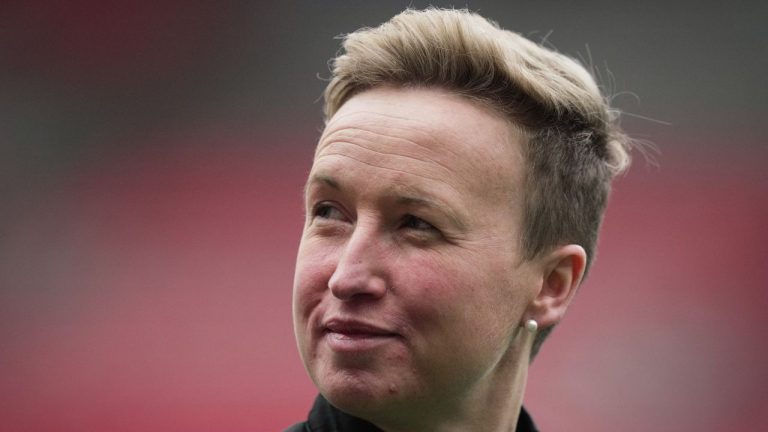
(321, 178)
(407, 200)
(402, 199)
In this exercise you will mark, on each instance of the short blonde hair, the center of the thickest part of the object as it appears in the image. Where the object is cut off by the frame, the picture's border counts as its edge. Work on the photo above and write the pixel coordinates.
(574, 145)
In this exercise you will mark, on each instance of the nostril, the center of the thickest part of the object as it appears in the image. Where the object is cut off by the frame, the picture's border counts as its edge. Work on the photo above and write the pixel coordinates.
(346, 284)
(358, 271)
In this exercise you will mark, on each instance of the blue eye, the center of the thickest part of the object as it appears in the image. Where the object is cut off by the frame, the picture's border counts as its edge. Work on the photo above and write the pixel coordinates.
(327, 211)
(415, 223)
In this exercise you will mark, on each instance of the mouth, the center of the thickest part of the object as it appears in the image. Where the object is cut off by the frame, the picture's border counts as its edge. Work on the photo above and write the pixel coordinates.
(353, 336)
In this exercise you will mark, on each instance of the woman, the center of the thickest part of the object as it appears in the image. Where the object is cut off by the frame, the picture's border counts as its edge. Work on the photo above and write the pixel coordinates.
(451, 212)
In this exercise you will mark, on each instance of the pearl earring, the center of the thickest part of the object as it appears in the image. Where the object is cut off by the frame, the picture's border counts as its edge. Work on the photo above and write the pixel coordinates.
(531, 325)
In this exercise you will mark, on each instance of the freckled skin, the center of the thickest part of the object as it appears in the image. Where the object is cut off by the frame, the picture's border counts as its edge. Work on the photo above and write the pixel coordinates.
(413, 219)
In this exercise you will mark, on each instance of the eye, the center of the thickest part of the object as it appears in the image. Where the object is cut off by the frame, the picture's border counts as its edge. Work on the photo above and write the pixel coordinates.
(325, 210)
(418, 224)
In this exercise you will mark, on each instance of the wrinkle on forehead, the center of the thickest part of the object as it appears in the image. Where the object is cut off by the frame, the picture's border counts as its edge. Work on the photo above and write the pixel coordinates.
(418, 119)
(430, 132)
(423, 140)
(386, 145)
(389, 167)
(377, 122)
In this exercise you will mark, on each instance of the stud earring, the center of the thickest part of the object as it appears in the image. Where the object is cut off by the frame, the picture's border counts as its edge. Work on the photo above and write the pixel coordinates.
(531, 325)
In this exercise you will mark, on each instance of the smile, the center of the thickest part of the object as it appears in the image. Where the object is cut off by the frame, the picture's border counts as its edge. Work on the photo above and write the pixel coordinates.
(356, 336)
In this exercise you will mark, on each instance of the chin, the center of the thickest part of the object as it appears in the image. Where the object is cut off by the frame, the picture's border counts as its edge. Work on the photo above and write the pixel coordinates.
(359, 395)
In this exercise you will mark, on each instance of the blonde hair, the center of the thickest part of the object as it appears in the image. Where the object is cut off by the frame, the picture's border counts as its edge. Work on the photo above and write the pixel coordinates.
(574, 146)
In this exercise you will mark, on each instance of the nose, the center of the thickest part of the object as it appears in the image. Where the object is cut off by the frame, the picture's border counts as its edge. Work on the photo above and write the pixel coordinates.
(359, 272)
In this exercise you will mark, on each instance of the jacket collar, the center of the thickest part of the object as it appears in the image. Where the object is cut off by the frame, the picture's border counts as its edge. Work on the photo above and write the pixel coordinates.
(324, 417)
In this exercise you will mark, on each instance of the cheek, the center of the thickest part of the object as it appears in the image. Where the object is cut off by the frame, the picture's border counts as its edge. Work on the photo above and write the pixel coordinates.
(432, 294)
(450, 281)
(459, 321)
(310, 282)
(460, 300)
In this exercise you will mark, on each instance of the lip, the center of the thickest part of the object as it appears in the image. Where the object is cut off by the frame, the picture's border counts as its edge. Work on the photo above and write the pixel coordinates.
(348, 335)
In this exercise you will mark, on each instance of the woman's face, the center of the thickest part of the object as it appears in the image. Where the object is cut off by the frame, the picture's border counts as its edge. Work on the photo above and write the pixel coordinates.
(409, 287)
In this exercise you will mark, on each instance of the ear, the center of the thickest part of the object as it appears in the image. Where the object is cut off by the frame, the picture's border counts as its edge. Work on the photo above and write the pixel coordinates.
(563, 269)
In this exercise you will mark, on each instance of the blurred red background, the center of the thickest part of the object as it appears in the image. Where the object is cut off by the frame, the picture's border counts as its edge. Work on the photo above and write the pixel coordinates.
(152, 165)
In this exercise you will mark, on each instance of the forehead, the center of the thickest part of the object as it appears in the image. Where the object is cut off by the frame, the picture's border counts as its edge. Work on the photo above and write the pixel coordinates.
(434, 132)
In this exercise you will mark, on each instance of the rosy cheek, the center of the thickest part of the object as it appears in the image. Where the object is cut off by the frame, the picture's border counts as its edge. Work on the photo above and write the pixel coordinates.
(311, 281)
(426, 287)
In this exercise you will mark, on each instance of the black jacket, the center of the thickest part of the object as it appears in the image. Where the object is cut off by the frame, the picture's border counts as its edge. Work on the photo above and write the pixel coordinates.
(325, 418)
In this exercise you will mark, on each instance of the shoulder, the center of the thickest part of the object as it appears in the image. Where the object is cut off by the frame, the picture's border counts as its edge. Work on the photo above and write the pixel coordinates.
(525, 422)
(298, 427)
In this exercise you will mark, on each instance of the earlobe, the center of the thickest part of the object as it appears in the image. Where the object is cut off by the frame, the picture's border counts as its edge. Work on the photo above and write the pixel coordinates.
(563, 270)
